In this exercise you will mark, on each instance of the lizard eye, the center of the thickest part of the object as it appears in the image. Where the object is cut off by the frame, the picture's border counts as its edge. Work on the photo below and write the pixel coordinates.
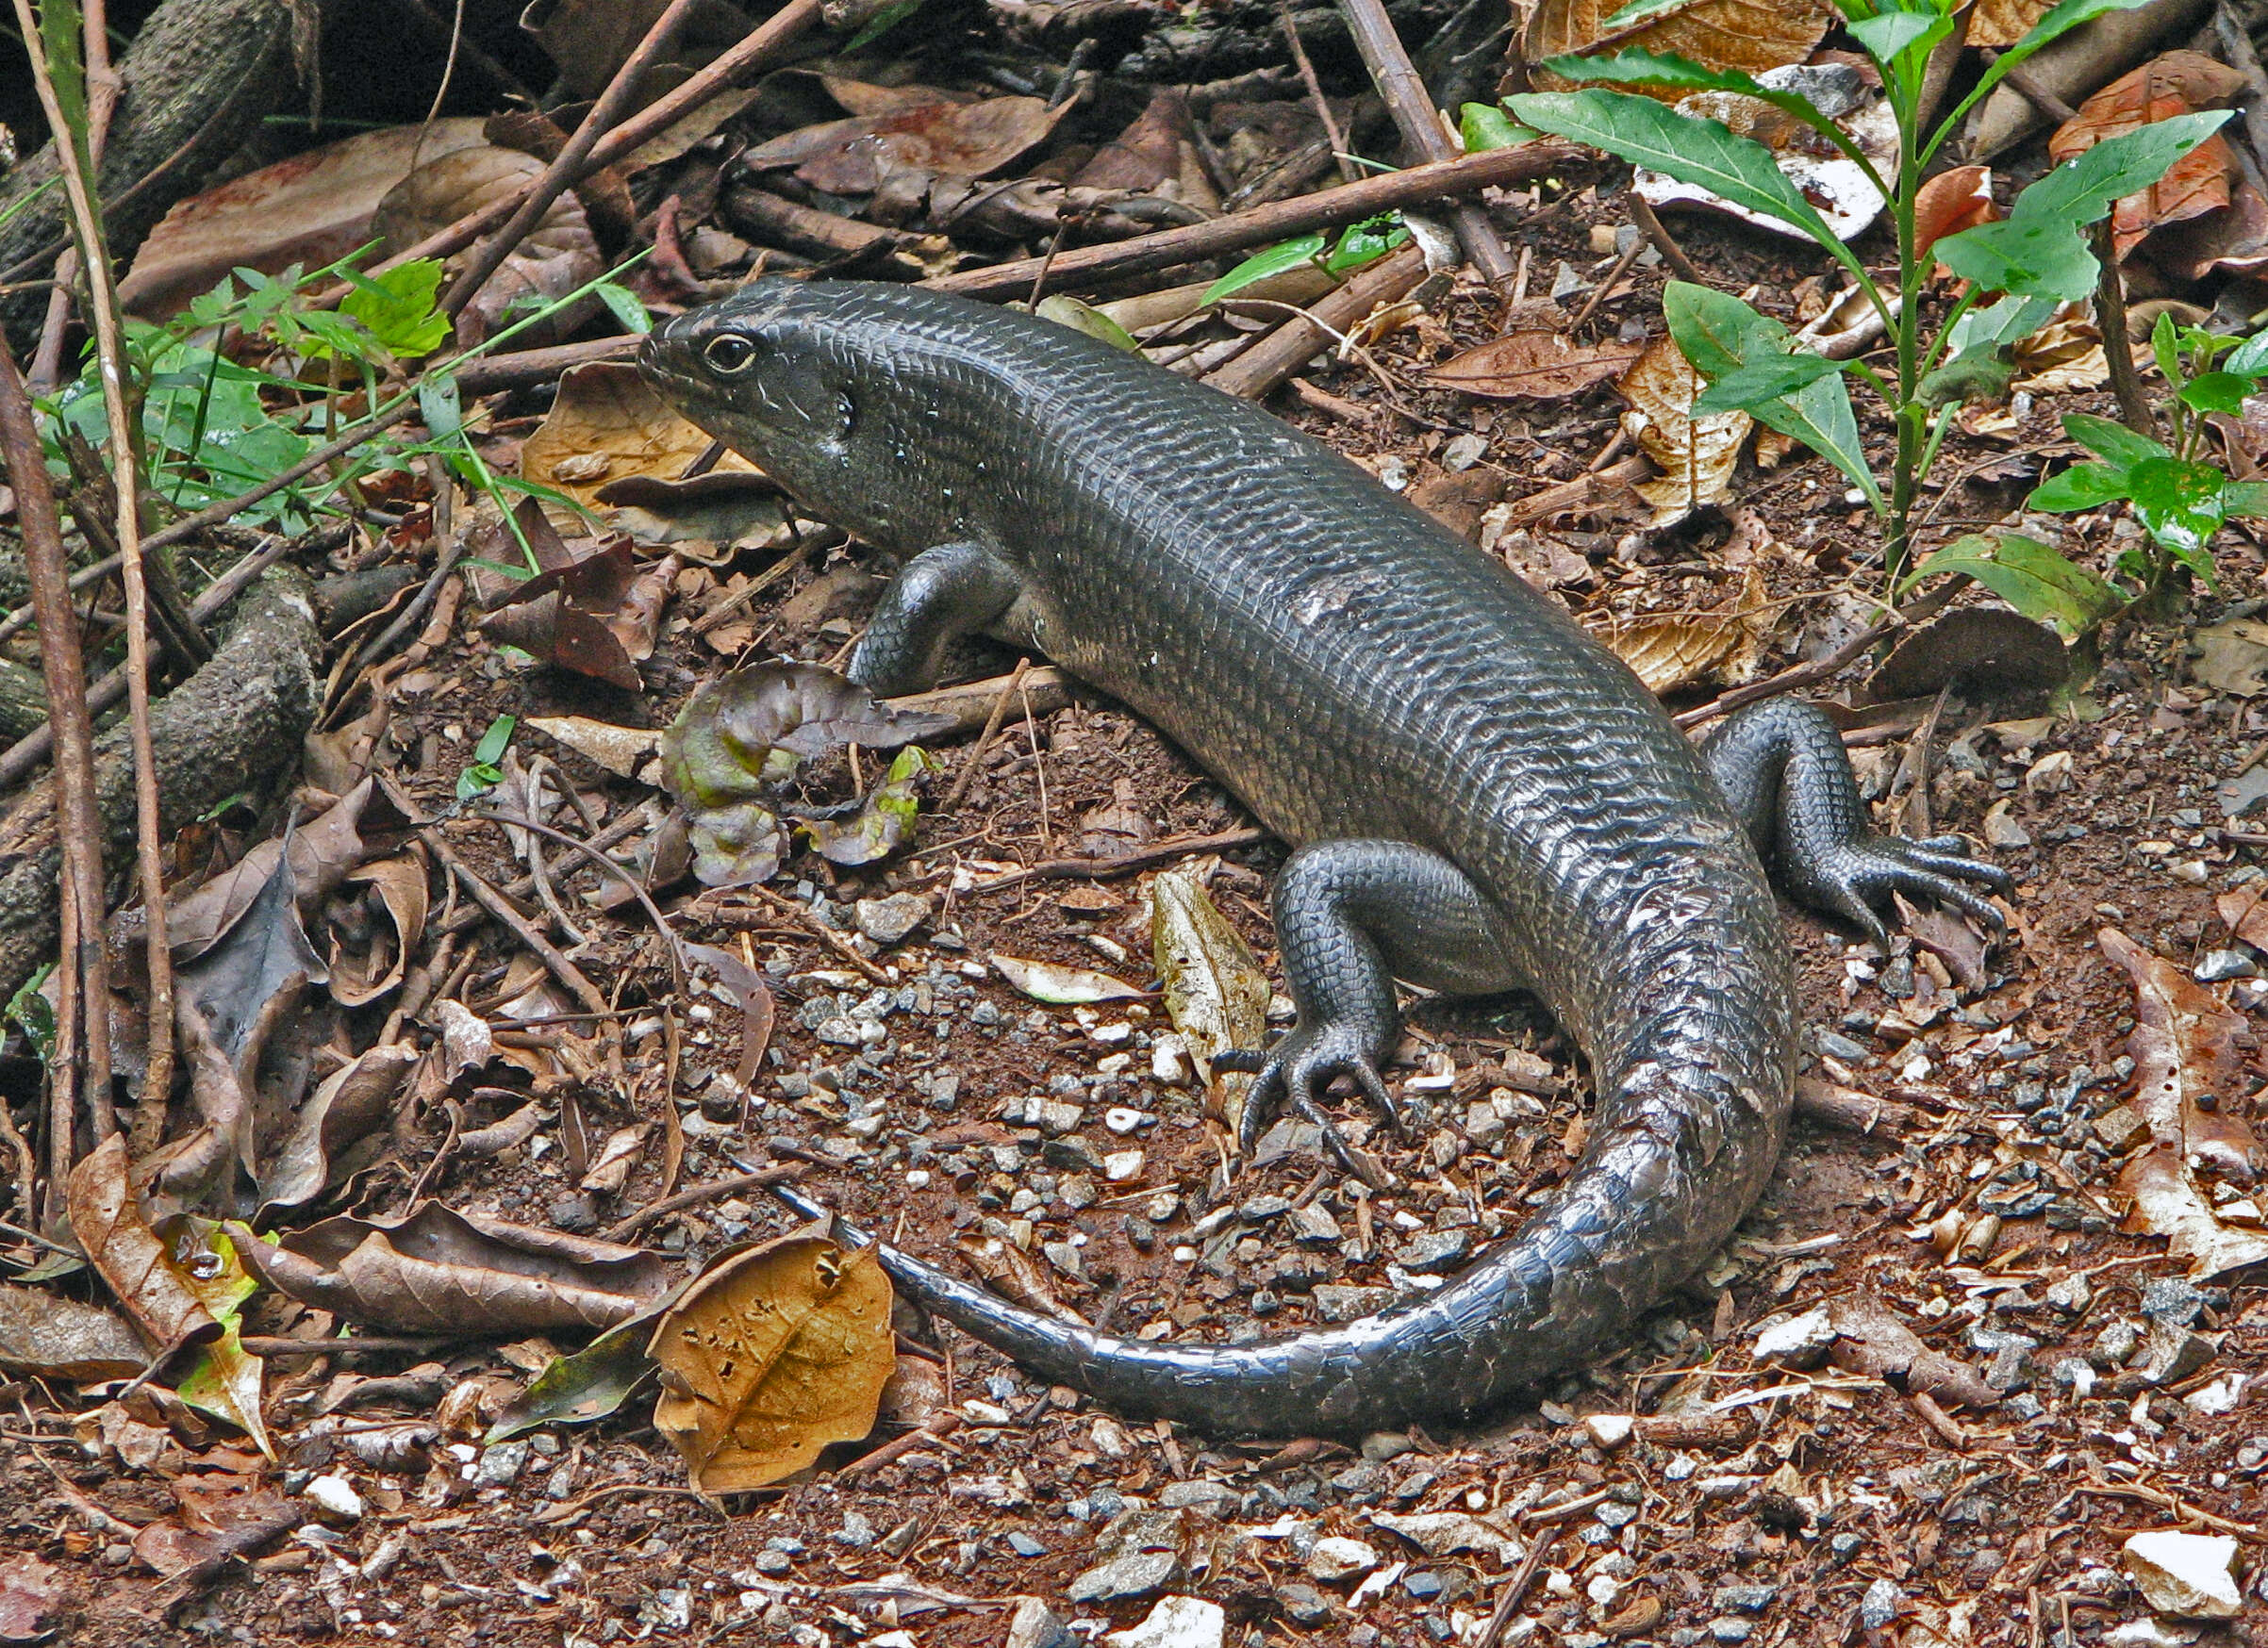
(729, 353)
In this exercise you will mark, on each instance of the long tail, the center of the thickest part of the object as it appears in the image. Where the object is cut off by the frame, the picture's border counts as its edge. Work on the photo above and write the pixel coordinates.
(1685, 1137)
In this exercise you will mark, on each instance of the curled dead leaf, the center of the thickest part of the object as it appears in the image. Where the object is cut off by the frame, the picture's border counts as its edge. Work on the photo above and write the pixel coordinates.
(434, 1269)
(608, 425)
(1670, 652)
(1697, 456)
(1216, 995)
(1722, 34)
(1532, 366)
(774, 1353)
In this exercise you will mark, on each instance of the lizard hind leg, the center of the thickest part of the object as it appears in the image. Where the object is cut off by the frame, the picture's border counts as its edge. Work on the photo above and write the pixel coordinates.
(1782, 765)
(1351, 916)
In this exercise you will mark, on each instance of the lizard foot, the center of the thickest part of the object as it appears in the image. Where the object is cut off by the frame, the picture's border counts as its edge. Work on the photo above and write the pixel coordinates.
(1856, 877)
(1295, 1071)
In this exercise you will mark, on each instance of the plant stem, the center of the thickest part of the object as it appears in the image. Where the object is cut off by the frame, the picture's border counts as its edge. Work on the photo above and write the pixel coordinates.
(1906, 465)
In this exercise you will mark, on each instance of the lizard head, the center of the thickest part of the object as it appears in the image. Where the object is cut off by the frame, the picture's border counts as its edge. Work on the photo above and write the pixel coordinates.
(756, 372)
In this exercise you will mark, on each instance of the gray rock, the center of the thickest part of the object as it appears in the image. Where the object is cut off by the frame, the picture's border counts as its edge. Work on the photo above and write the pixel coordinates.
(2172, 1298)
(500, 1464)
(1304, 1606)
(1729, 1629)
(1313, 1225)
(1177, 1622)
(1336, 1302)
(1128, 1578)
(1882, 1603)
(857, 1531)
(2070, 1295)
(1431, 1252)
(887, 921)
(1745, 1599)
(1035, 1625)
(1215, 1498)
(2169, 1353)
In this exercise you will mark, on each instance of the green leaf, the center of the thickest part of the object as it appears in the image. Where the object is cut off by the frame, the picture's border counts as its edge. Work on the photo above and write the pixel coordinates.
(1703, 153)
(889, 17)
(1261, 264)
(1670, 71)
(1069, 311)
(1366, 242)
(1997, 325)
(2180, 502)
(2080, 486)
(2115, 441)
(582, 1386)
(398, 307)
(2040, 249)
(440, 404)
(2251, 357)
(1483, 126)
(1746, 388)
(1727, 341)
(2166, 348)
(622, 304)
(1889, 37)
(31, 1011)
(2247, 498)
(2218, 392)
(2029, 576)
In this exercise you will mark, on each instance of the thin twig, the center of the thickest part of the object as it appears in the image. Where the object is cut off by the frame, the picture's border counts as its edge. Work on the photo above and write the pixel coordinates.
(569, 164)
(112, 363)
(1097, 870)
(1412, 105)
(764, 1178)
(1650, 226)
(661, 923)
(1326, 208)
(2118, 353)
(1517, 1589)
(495, 904)
(807, 922)
(967, 776)
(1349, 170)
(83, 1007)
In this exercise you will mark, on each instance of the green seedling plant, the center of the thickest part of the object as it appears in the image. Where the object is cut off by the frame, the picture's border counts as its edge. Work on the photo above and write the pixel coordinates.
(485, 771)
(1356, 245)
(2179, 499)
(2028, 264)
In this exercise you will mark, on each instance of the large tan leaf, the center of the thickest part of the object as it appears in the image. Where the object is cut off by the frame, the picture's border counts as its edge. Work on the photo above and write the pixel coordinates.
(776, 1353)
(1678, 650)
(1724, 34)
(1697, 456)
(2175, 83)
(1215, 994)
(2189, 1065)
(2003, 23)
(66, 1339)
(606, 425)
(1532, 366)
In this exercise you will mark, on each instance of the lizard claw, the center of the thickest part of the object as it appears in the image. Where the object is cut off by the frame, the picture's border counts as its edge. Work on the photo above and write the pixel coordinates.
(1295, 1071)
(1861, 875)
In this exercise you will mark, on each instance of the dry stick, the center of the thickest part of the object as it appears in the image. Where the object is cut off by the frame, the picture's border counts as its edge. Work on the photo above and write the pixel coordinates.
(1349, 170)
(101, 99)
(1509, 1604)
(2118, 353)
(1803, 675)
(111, 354)
(495, 904)
(1261, 369)
(1420, 123)
(637, 888)
(1598, 295)
(777, 32)
(806, 921)
(1009, 690)
(569, 164)
(622, 1230)
(629, 824)
(1650, 226)
(1324, 209)
(85, 985)
(30, 749)
(1097, 870)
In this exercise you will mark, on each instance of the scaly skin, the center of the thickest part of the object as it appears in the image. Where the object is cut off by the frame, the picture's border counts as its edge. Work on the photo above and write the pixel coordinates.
(1358, 675)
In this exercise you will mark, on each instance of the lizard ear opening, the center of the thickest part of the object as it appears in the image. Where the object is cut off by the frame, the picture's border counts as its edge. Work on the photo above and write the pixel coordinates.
(729, 353)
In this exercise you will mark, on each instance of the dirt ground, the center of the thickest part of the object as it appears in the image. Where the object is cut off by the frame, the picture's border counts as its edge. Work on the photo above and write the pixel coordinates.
(1689, 1489)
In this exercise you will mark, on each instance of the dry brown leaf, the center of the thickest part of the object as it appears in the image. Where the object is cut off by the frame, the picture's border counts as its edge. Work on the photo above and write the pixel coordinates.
(2232, 657)
(359, 977)
(1013, 1274)
(349, 1109)
(555, 258)
(1697, 456)
(1723, 34)
(606, 425)
(311, 209)
(433, 1270)
(61, 1338)
(1667, 654)
(106, 1220)
(2175, 83)
(1532, 366)
(773, 1355)
(1216, 995)
(2003, 23)
(2063, 355)
(1951, 201)
(1871, 1339)
(625, 751)
(2189, 1056)
(945, 139)
(229, 1517)
(324, 850)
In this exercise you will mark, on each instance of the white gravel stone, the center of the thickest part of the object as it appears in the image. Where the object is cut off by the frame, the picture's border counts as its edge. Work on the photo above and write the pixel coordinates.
(334, 1499)
(1177, 1622)
(2191, 1575)
(1338, 1557)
